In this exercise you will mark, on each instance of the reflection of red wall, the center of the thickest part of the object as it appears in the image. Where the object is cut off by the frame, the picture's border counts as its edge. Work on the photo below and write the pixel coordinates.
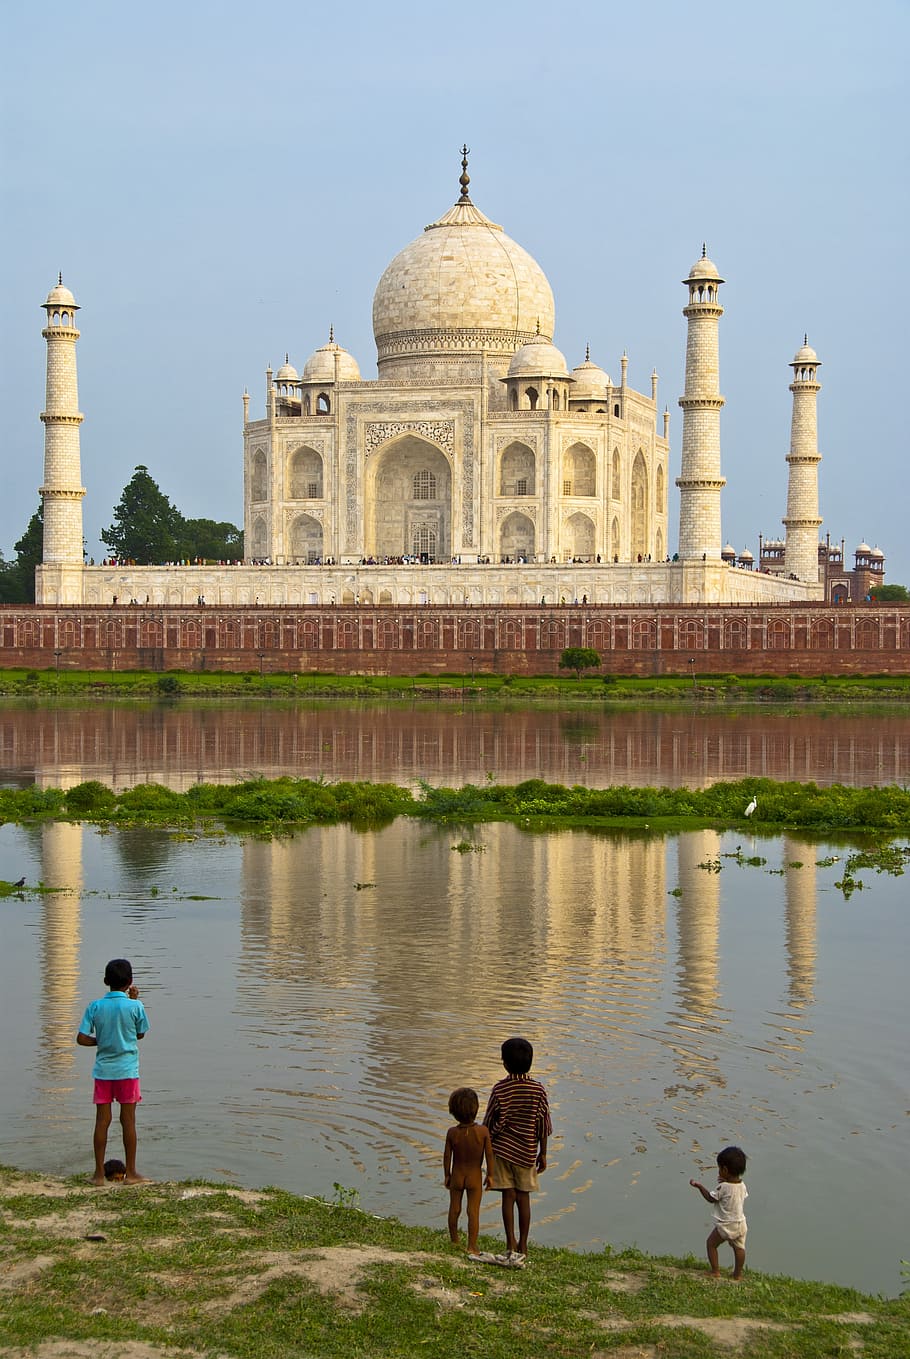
(814, 639)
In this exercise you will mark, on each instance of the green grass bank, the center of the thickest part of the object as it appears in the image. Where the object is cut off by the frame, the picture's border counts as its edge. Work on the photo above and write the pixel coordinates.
(164, 1271)
(724, 690)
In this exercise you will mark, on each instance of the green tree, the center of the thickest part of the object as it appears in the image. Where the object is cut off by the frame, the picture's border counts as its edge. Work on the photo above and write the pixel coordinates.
(146, 527)
(17, 578)
(891, 594)
(210, 540)
(579, 658)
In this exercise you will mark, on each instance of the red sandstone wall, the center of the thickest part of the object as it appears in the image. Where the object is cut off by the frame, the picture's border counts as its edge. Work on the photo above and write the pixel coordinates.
(800, 639)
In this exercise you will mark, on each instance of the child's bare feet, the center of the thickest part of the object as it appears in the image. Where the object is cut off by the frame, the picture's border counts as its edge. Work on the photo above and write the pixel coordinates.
(99, 1181)
(136, 1179)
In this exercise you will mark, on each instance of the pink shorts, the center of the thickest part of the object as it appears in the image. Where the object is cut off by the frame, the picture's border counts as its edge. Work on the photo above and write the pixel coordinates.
(124, 1092)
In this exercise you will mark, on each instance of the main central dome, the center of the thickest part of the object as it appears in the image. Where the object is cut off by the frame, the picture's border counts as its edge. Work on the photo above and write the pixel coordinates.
(461, 287)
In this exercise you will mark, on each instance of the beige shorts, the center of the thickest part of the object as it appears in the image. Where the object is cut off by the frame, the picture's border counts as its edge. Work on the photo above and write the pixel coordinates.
(734, 1232)
(508, 1175)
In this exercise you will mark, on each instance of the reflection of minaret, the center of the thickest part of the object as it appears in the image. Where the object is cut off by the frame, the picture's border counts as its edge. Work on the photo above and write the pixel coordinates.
(800, 889)
(698, 923)
(61, 868)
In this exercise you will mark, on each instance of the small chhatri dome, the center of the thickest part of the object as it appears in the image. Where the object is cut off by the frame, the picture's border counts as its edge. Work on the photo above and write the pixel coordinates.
(877, 554)
(590, 379)
(703, 268)
(539, 358)
(805, 354)
(60, 295)
(864, 549)
(746, 555)
(728, 554)
(320, 366)
(287, 372)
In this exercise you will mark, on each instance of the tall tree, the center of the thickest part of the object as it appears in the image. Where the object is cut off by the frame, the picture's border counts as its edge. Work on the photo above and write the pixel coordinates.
(17, 578)
(146, 527)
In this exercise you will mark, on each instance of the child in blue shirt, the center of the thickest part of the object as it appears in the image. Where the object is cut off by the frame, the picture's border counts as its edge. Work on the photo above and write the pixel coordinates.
(114, 1025)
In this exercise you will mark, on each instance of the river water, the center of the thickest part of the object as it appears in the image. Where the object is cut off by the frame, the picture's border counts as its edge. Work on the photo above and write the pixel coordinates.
(314, 999)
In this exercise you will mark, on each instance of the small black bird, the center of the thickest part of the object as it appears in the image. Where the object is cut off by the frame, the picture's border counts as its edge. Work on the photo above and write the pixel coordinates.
(20, 883)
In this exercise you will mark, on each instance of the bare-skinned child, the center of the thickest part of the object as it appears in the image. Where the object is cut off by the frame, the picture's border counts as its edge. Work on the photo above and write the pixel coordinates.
(468, 1147)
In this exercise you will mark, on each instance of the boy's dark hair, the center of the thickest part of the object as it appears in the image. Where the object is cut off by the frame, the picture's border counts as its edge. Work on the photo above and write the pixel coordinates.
(517, 1056)
(118, 974)
(733, 1160)
(114, 1170)
(463, 1104)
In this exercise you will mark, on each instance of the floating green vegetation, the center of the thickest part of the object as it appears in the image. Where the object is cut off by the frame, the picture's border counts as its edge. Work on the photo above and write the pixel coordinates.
(277, 805)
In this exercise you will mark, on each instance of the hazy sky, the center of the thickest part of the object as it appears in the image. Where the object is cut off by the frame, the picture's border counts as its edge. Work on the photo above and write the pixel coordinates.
(221, 182)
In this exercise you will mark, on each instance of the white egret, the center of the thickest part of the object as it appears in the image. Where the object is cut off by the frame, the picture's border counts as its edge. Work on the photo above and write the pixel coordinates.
(751, 807)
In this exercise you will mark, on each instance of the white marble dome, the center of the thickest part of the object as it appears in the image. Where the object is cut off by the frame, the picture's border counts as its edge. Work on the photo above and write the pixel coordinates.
(704, 268)
(287, 372)
(320, 366)
(462, 285)
(60, 296)
(591, 381)
(538, 358)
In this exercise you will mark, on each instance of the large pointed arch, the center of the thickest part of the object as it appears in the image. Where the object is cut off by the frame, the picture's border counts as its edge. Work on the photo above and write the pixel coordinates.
(409, 500)
(259, 477)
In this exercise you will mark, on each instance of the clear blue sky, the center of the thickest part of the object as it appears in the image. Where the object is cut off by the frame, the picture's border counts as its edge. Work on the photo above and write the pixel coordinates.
(221, 182)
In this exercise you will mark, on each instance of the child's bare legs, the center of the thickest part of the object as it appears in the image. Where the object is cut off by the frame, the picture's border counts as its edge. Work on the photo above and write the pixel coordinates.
(516, 1202)
(474, 1197)
(455, 1214)
(128, 1128)
(99, 1141)
(739, 1256)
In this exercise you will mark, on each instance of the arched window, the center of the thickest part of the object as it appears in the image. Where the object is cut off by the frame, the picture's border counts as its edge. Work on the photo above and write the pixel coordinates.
(533, 397)
(580, 469)
(305, 475)
(615, 481)
(423, 541)
(640, 546)
(660, 492)
(424, 485)
(323, 405)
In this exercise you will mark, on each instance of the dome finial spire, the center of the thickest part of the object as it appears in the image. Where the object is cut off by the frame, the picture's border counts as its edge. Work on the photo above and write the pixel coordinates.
(332, 334)
(464, 179)
(704, 250)
(587, 353)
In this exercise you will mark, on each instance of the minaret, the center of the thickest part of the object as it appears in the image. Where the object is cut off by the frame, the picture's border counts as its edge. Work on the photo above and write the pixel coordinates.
(59, 578)
(700, 482)
(802, 522)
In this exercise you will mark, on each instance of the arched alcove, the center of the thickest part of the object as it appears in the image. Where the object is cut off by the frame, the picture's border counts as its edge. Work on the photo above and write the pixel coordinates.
(305, 475)
(259, 545)
(579, 471)
(615, 477)
(579, 537)
(516, 537)
(306, 539)
(517, 470)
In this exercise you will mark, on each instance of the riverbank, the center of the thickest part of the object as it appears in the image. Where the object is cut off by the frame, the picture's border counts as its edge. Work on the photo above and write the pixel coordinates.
(727, 691)
(198, 1269)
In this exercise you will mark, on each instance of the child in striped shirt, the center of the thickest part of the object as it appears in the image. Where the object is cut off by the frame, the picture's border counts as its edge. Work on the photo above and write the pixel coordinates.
(518, 1117)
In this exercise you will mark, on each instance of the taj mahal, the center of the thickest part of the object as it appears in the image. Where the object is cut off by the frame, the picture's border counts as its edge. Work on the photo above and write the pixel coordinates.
(476, 468)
